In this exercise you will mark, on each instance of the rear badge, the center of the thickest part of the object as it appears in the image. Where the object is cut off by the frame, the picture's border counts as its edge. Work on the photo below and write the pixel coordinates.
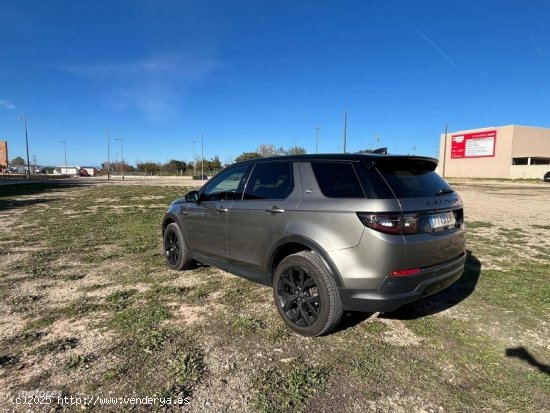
(439, 202)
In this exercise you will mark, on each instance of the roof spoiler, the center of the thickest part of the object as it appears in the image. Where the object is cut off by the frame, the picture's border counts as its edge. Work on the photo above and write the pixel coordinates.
(389, 159)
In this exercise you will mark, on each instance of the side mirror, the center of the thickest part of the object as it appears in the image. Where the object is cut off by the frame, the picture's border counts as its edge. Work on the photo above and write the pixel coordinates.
(192, 197)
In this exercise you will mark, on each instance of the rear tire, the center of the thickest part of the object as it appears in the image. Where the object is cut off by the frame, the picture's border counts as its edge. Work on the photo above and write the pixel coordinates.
(175, 250)
(306, 294)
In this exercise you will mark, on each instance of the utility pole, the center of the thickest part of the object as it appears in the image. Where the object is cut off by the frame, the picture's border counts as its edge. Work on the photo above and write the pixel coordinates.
(345, 129)
(108, 154)
(121, 155)
(194, 159)
(65, 146)
(202, 156)
(34, 162)
(317, 140)
(444, 153)
(24, 117)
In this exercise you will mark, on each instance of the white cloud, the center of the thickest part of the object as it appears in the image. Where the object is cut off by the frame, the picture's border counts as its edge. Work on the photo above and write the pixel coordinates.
(185, 67)
(155, 86)
(6, 104)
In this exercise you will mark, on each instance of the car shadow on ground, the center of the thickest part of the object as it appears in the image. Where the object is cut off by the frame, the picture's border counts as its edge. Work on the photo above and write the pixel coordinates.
(9, 192)
(523, 354)
(440, 301)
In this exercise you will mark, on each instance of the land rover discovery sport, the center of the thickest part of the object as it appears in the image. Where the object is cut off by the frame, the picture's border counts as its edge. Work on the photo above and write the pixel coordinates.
(328, 232)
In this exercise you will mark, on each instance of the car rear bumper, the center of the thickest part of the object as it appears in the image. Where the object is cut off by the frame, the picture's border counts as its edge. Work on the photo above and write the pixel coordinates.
(394, 292)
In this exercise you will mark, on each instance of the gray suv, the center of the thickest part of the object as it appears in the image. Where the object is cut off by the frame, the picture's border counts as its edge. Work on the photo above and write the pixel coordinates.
(328, 232)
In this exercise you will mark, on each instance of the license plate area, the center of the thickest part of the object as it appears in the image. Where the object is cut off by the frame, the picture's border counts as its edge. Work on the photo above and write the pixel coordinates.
(442, 220)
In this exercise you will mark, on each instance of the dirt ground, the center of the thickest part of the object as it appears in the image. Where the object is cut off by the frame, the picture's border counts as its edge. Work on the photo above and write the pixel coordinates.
(492, 205)
(507, 203)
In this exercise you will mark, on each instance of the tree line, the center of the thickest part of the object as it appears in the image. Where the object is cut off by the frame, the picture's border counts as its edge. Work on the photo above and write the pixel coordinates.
(210, 166)
(267, 150)
(172, 167)
(179, 167)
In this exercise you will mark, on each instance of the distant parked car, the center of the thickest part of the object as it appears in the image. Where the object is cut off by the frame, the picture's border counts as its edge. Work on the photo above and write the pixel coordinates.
(547, 177)
(83, 172)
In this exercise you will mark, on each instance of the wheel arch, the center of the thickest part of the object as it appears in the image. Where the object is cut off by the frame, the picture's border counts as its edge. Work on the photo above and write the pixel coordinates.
(167, 220)
(293, 244)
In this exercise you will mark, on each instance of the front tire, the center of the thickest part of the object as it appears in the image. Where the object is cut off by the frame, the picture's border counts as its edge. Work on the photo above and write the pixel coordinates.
(175, 250)
(306, 294)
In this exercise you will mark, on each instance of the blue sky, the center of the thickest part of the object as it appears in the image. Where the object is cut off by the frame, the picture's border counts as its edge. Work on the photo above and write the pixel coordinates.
(159, 74)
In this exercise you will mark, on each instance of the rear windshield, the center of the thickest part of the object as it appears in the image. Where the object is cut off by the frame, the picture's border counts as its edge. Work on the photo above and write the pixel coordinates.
(404, 177)
(413, 178)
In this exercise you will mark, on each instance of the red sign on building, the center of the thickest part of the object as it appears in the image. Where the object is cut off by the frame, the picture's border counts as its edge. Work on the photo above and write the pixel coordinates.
(474, 145)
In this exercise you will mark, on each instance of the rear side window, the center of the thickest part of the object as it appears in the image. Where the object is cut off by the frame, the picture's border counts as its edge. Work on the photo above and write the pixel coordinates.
(413, 178)
(270, 180)
(337, 179)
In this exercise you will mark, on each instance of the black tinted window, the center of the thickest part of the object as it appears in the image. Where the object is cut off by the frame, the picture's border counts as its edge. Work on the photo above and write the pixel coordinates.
(270, 180)
(337, 179)
(413, 178)
(373, 183)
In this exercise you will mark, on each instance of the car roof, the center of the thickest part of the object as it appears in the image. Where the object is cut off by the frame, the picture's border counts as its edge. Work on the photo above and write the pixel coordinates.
(373, 158)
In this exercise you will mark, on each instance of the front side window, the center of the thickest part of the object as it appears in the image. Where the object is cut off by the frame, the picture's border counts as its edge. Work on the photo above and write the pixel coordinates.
(270, 180)
(225, 186)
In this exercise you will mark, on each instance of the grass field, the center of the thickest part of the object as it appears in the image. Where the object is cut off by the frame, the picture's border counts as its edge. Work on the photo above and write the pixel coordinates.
(87, 306)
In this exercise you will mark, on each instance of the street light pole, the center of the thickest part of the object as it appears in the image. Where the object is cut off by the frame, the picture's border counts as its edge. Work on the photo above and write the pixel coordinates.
(345, 129)
(194, 160)
(108, 155)
(317, 140)
(121, 155)
(65, 146)
(202, 156)
(24, 117)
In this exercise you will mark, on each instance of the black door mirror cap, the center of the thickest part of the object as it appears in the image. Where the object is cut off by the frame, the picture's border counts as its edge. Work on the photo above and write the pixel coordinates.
(192, 197)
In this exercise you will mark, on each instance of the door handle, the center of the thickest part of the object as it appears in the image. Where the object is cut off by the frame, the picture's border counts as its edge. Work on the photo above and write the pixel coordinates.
(274, 210)
(219, 210)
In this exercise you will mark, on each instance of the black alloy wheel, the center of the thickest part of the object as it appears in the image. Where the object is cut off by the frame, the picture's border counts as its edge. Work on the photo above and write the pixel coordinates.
(175, 250)
(299, 296)
(306, 294)
(172, 249)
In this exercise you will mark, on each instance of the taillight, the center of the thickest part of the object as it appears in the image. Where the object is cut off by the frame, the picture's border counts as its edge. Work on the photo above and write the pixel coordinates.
(390, 223)
(405, 273)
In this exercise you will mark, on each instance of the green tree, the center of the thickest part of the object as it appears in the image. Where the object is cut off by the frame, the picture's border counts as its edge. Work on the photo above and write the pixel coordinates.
(149, 167)
(214, 164)
(174, 166)
(17, 161)
(245, 156)
(295, 150)
(126, 167)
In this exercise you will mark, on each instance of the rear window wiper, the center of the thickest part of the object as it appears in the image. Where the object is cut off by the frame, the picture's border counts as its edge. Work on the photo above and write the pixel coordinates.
(444, 191)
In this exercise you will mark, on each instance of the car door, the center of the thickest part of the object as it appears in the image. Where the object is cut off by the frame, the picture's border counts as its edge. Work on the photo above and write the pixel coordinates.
(205, 222)
(260, 218)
